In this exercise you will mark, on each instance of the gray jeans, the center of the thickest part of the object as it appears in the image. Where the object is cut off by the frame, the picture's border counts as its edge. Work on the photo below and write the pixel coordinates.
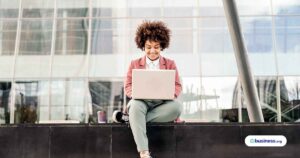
(142, 111)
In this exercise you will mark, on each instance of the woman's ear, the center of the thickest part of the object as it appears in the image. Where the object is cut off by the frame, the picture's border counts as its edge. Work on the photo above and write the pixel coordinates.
(143, 48)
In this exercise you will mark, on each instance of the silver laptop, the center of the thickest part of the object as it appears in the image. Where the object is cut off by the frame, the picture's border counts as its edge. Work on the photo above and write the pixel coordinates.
(153, 84)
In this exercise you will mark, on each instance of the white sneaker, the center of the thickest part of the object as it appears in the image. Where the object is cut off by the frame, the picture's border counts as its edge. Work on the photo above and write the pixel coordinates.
(120, 117)
(145, 154)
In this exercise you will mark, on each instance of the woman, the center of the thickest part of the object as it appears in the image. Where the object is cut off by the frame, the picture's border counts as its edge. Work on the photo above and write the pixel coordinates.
(152, 38)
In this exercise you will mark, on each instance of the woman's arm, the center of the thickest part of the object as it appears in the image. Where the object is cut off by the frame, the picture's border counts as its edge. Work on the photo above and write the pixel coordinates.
(128, 81)
(178, 87)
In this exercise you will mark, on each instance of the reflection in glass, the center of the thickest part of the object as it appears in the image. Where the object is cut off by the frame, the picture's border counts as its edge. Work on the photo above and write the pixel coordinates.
(5, 88)
(254, 7)
(204, 99)
(266, 88)
(214, 36)
(107, 96)
(37, 8)
(68, 101)
(72, 8)
(182, 41)
(7, 37)
(9, 8)
(257, 34)
(30, 98)
(148, 8)
(71, 37)
(110, 8)
(179, 8)
(286, 7)
(102, 37)
(36, 37)
(211, 8)
(288, 34)
(292, 108)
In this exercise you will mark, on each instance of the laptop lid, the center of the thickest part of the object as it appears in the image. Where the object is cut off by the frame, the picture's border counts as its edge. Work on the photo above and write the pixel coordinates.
(153, 84)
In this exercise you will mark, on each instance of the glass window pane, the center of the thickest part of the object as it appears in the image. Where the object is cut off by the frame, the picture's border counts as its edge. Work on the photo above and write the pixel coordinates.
(7, 47)
(193, 68)
(254, 7)
(287, 34)
(214, 36)
(181, 41)
(71, 37)
(211, 8)
(258, 39)
(257, 34)
(215, 47)
(9, 8)
(68, 101)
(6, 67)
(7, 37)
(287, 44)
(114, 36)
(107, 96)
(31, 101)
(290, 87)
(102, 42)
(109, 8)
(5, 88)
(204, 99)
(76, 66)
(72, 8)
(148, 8)
(218, 64)
(37, 8)
(103, 33)
(281, 7)
(183, 35)
(111, 36)
(110, 65)
(180, 23)
(36, 37)
(32, 66)
(179, 8)
(266, 88)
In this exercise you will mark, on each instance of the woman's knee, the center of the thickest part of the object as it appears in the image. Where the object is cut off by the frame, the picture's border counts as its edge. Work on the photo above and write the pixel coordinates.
(136, 106)
(176, 107)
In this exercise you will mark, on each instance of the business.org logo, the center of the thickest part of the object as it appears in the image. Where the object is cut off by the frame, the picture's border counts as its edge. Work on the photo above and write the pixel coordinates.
(265, 141)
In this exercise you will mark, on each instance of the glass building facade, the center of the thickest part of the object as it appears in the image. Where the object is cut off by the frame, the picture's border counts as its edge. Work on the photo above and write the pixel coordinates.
(63, 61)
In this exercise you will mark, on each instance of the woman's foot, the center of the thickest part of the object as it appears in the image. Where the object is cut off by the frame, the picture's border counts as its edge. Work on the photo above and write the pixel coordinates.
(145, 154)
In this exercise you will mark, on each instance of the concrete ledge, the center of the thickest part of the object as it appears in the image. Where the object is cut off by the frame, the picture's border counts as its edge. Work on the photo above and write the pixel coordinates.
(167, 140)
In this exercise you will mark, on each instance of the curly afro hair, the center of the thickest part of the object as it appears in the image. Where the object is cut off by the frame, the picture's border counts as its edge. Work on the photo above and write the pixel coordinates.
(153, 31)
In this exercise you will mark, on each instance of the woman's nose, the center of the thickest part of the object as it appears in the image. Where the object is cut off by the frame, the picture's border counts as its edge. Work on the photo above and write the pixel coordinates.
(152, 50)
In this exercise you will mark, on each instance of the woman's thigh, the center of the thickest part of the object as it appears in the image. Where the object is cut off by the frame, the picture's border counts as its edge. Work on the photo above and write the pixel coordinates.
(166, 112)
(135, 105)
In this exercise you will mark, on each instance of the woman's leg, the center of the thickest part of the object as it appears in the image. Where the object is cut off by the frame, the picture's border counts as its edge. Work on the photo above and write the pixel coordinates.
(166, 112)
(137, 118)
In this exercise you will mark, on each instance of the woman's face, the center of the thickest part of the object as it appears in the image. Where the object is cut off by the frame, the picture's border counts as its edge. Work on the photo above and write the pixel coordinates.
(152, 49)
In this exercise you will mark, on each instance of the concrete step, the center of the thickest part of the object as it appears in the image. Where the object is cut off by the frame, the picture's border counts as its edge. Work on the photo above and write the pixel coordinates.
(166, 140)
